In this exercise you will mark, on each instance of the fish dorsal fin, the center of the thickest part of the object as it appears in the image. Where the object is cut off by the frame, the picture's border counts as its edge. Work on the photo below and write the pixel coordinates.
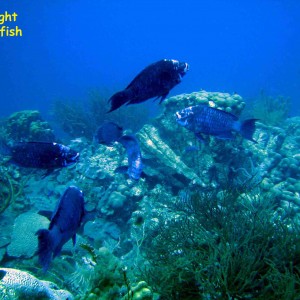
(55, 214)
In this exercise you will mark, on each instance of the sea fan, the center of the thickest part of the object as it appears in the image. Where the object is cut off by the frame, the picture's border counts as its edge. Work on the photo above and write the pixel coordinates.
(83, 278)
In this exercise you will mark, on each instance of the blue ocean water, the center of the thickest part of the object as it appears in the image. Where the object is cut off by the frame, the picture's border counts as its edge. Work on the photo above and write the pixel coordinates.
(70, 48)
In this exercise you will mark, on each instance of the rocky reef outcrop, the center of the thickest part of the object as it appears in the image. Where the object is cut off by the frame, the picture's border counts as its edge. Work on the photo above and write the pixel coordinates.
(28, 125)
(16, 284)
(122, 210)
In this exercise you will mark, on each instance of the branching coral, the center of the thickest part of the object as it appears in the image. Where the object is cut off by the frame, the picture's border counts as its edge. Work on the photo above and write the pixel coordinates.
(224, 245)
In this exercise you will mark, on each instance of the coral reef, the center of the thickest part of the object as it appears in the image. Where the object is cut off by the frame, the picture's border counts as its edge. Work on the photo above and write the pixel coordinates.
(163, 144)
(139, 292)
(73, 119)
(102, 276)
(161, 160)
(23, 240)
(7, 191)
(100, 230)
(11, 187)
(222, 245)
(217, 219)
(82, 119)
(272, 111)
(16, 284)
(28, 125)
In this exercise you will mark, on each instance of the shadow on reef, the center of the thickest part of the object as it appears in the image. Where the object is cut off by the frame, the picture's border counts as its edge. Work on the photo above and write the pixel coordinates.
(222, 245)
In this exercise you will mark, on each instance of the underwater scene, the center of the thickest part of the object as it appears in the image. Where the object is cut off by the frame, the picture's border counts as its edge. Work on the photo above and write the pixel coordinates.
(154, 169)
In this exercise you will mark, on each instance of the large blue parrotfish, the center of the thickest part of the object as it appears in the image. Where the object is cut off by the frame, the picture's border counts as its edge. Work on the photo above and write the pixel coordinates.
(65, 221)
(202, 119)
(156, 80)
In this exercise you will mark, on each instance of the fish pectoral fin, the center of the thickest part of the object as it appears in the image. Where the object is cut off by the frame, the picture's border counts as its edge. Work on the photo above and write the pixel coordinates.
(74, 239)
(156, 98)
(163, 97)
(225, 136)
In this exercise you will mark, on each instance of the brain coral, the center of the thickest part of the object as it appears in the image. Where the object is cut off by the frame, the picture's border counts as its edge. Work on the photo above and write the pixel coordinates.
(23, 240)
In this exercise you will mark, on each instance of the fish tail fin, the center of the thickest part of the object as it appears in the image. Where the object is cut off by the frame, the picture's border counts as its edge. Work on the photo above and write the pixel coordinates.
(248, 128)
(44, 248)
(118, 100)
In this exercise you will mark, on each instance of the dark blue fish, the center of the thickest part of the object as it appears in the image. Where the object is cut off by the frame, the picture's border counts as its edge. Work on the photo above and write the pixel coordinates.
(155, 80)
(211, 121)
(135, 164)
(64, 224)
(108, 133)
(42, 155)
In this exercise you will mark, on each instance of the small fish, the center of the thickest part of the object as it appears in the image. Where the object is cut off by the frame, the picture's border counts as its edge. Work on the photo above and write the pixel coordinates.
(135, 164)
(211, 121)
(108, 133)
(42, 155)
(156, 80)
(65, 221)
